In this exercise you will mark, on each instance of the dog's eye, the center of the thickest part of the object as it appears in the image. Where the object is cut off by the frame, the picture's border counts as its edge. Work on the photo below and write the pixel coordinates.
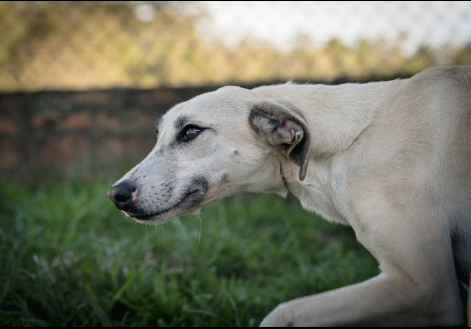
(190, 133)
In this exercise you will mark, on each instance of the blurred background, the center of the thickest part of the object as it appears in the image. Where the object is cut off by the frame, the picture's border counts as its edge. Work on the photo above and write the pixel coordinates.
(82, 45)
(81, 84)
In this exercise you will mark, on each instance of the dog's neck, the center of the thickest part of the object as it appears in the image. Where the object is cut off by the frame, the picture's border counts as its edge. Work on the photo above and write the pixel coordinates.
(315, 192)
(336, 116)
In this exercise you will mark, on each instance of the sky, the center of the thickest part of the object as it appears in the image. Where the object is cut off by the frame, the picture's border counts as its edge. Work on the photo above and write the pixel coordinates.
(435, 23)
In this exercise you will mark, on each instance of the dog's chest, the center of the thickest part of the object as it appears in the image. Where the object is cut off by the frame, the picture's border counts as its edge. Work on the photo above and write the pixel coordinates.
(315, 197)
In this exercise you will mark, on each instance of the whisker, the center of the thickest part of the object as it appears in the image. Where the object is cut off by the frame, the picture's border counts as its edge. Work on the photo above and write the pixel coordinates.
(232, 201)
(200, 228)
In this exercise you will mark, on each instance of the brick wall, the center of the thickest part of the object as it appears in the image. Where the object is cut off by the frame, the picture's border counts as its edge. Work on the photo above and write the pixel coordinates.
(81, 131)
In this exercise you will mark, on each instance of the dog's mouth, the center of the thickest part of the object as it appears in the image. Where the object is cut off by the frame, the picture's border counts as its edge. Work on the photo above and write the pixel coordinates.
(189, 201)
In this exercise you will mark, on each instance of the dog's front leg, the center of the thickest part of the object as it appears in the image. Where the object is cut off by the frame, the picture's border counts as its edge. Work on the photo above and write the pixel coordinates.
(417, 287)
(377, 302)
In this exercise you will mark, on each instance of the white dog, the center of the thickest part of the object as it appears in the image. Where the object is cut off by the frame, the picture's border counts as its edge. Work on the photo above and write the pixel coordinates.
(391, 159)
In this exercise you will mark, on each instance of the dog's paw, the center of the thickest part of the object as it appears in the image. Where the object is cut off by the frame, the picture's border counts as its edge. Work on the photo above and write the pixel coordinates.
(279, 317)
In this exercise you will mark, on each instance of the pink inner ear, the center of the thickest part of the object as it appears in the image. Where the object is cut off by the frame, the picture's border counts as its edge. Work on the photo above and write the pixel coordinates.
(290, 124)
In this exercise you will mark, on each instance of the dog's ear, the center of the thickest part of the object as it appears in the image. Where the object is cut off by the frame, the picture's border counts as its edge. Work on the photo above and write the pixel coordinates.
(283, 126)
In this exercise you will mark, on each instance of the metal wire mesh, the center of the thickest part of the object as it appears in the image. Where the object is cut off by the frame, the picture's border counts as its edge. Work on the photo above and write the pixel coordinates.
(102, 44)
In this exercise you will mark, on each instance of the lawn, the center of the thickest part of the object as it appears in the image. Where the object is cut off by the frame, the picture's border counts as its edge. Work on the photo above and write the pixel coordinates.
(69, 258)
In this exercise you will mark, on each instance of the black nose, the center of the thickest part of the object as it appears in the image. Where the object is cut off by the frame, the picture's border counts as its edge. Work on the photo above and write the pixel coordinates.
(121, 194)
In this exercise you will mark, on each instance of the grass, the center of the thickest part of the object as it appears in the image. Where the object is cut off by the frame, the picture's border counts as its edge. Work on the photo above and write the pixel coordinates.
(68, 258)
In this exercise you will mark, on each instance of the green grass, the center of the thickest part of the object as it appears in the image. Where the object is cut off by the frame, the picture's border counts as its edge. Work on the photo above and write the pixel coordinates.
(68, 258)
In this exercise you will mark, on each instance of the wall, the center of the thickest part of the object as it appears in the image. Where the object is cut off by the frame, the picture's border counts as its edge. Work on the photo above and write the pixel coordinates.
(81, 131)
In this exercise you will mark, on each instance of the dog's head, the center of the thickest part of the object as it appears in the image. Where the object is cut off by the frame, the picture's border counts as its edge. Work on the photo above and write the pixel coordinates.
(216, 145)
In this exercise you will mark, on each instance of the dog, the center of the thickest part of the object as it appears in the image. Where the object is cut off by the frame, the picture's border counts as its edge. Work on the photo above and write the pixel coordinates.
(391, 159)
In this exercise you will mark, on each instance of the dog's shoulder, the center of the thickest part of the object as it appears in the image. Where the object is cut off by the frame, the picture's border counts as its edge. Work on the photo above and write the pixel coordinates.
(456, 75)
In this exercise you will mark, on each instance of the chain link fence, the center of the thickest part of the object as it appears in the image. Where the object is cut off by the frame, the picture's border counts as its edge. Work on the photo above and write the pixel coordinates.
(104, 44)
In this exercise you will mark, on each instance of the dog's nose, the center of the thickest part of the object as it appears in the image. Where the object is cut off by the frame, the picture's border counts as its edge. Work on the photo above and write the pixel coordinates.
(122, 194)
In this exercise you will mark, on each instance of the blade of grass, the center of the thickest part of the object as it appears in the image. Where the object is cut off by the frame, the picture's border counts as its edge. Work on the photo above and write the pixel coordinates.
(100, 313)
